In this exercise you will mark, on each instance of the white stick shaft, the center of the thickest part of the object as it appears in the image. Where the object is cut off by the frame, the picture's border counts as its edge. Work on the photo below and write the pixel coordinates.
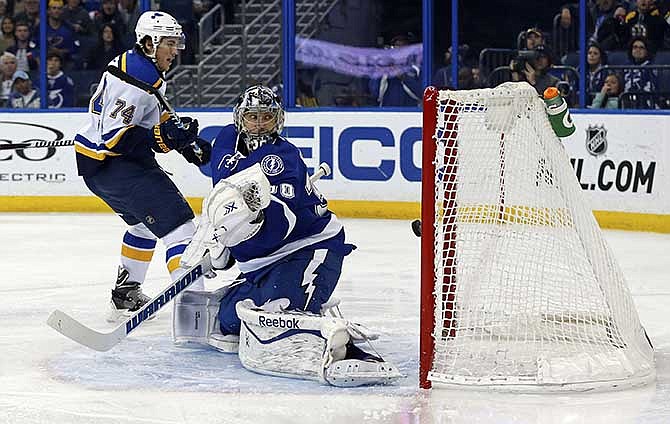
(323, 171)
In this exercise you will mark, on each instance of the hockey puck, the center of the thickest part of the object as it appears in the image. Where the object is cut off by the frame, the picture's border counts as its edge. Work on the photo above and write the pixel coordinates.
(416, 227)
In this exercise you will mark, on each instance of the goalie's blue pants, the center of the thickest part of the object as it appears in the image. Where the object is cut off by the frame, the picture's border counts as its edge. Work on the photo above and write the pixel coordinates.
(306, 278)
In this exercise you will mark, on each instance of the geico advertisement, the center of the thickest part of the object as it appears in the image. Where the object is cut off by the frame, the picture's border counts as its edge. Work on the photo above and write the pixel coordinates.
(374, 156)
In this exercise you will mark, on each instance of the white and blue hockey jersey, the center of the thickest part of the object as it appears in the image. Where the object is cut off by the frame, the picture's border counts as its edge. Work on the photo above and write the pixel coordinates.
(297, 217)
(121, 116)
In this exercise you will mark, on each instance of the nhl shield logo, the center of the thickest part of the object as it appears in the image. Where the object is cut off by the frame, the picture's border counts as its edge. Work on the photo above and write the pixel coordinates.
(596, 140)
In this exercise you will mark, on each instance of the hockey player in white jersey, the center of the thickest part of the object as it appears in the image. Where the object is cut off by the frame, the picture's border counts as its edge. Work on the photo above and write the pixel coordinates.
(115, 156)
(266, 214)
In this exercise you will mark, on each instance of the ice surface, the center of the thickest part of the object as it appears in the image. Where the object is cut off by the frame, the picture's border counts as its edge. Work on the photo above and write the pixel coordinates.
(68, 261)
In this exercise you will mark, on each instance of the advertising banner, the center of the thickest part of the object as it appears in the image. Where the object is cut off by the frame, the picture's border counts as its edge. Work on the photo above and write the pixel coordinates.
(375, 156)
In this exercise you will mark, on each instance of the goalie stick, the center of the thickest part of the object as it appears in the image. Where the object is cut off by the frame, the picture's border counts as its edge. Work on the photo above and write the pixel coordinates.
(323, 171)
(103, 341)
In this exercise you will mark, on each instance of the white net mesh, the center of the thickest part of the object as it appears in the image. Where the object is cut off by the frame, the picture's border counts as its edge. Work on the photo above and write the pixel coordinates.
(528, 294)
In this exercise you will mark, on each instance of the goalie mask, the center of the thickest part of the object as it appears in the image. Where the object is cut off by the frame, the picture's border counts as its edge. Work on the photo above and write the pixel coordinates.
(258, 115)
(158, 25)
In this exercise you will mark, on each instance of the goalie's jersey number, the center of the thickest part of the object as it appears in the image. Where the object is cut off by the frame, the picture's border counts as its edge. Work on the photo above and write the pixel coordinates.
(623, 176)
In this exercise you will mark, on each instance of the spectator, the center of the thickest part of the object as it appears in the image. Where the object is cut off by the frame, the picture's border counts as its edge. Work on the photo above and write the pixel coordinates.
(77, 18)
(4, 10)
(8, 68)
(59, 35)
(613, 32)
(109, 14)
(304, 95)
(60, 86)
(465, 79)
(532, 38)
(608, 96)
(477, 78)
(23, 95)
(108, 47)
(599, 11)
(442, 77)
(31, 14)
(646, 21)
(92, 6)
(7, 36)
(130, 12)
(403, 90)
(636, 78)
(566, 33)
(535, 69)
(25, 50)
(596, 58)
(14, 7)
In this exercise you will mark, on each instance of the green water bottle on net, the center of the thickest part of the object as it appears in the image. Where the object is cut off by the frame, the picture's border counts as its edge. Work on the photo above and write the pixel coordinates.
(559, 115)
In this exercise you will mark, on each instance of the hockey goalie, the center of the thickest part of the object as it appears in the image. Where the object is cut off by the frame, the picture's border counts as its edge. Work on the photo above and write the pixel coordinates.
(265, 214)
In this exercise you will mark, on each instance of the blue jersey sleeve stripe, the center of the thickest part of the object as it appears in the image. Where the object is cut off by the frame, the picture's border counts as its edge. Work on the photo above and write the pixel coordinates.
(94, 151)
(111, 134)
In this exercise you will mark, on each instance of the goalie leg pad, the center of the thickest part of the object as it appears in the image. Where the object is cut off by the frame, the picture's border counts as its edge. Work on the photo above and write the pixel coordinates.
(194, 317)
(306, 346)
(287, 343)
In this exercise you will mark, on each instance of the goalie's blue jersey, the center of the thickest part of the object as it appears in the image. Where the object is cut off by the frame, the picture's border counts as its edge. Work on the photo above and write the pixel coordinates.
(298, 215)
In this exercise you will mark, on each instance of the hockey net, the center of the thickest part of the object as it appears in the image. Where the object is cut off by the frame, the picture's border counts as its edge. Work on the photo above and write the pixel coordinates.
(520, 291)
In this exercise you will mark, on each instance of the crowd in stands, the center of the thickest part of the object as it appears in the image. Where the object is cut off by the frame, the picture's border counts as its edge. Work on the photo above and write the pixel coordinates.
(627, 55)
(82, 36)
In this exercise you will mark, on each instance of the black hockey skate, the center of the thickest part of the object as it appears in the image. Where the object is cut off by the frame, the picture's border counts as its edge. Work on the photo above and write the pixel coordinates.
(127, 297)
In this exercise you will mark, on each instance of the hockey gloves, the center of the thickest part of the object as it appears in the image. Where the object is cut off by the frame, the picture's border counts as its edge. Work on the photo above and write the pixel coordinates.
(198, 152)
(191, 125)
(173, 135)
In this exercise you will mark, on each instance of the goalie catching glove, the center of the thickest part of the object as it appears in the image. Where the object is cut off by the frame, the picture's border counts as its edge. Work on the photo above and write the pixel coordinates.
(231, 214)
(235, 206)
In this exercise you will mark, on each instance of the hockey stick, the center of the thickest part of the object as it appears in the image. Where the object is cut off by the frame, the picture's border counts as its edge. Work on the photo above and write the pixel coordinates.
(123, 76)
(323, 171)
(101, 341)
(35, 143)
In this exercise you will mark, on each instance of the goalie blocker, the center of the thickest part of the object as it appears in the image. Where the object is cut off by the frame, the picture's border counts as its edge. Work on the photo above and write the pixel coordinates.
(284, 343)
